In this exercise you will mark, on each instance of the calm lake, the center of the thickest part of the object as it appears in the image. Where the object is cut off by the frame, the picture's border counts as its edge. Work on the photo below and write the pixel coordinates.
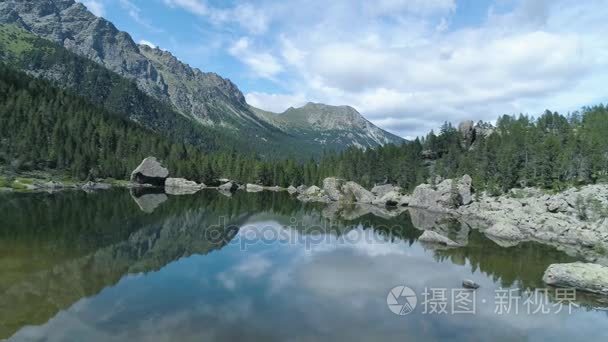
(116, 266)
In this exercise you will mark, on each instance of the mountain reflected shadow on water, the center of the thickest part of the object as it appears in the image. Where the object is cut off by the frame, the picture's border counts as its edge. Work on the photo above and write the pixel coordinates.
(58, 248)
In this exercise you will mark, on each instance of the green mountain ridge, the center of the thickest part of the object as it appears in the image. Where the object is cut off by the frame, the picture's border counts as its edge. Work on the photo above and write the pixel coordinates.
(205, 98)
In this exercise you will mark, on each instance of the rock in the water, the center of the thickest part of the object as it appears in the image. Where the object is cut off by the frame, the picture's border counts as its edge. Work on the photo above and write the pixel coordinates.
(391, 199)
(182, 183)
(301, 188)
(446, 195)
(275, 188)
(404, 201)
(254, 188)
(582, 276)
(292, 189)
(333, 188)
(96, 186)
(430, 236)
(503, 230)
(380, 190)
(181, 186)
(354, 192)
(228, 187)
(150, 171)
(469, 284)
(314, 194)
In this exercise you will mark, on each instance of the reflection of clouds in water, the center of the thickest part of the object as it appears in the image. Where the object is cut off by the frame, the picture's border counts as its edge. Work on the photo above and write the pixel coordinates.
(337, 291)
(253, 267)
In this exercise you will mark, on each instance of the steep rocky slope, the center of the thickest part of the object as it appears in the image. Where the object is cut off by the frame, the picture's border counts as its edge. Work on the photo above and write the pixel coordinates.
(204, 97)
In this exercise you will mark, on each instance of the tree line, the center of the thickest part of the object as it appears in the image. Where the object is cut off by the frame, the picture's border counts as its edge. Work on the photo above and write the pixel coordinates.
(44, 127)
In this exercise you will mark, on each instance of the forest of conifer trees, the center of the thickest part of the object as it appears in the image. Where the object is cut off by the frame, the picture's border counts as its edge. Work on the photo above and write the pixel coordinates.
(44, 128)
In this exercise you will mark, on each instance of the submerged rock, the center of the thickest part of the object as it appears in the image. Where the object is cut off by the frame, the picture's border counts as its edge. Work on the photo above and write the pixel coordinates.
(150, 171)
(581, 276)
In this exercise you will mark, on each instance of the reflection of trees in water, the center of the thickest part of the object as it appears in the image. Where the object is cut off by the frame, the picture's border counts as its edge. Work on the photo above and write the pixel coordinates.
(521, 266)
(58, 248)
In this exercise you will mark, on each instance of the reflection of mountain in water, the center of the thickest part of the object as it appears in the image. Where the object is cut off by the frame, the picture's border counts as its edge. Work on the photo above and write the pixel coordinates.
(58, 248)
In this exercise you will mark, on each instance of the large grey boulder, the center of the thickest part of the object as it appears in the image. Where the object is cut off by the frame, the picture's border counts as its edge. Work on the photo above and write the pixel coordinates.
(505, 231)
(449, 194)
(150, 171)
(254, 188)
(581, 276)
(380, 190)
(557, 205)
(392, 198)
(354, 192)
(292, 189)
(314, 194)
(333, 188)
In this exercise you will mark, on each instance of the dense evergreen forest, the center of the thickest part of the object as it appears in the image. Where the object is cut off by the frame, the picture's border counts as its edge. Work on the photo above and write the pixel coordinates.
(43, 127)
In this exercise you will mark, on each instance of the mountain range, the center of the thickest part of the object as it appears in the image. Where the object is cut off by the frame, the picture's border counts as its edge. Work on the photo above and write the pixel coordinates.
(187, 96)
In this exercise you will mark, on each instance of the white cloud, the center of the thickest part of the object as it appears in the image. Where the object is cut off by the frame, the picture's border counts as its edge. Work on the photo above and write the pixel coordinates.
(263, 64)
(95, 6)
(409, 65)
(411, 75)
(250, 17)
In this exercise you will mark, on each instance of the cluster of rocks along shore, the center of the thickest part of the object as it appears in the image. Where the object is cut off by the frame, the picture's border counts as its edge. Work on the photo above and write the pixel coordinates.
(574, 221)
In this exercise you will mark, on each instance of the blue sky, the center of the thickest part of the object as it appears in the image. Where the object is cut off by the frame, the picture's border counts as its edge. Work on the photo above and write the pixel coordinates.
(407, 65)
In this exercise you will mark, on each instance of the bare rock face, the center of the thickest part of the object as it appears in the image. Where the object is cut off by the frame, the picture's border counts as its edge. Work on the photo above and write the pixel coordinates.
(150, 171)
(333, 188)
(467, 130)
(581, 276)
(354, 192)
